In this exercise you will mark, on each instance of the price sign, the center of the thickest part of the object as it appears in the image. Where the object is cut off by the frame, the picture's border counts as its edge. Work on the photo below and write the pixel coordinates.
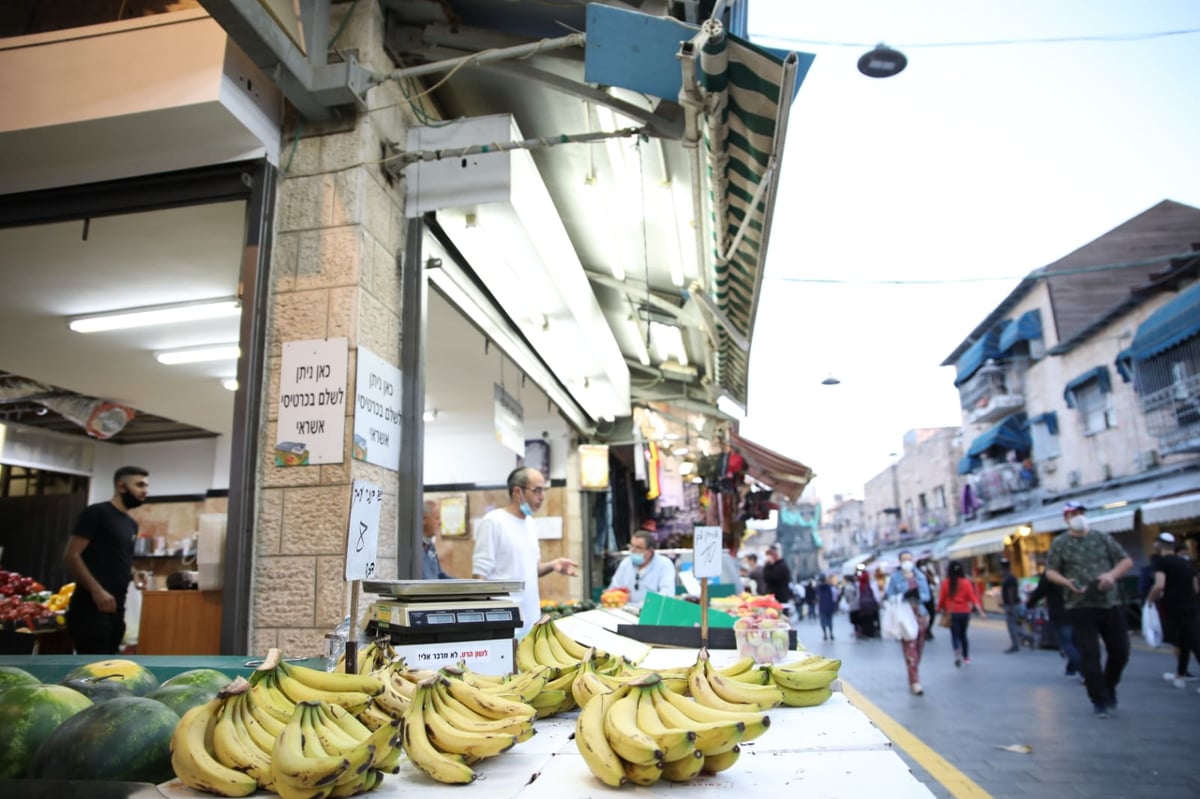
(362, 543)
(706, 555)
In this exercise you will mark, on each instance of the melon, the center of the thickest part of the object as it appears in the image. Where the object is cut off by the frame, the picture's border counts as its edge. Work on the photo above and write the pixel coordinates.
(99, 689)
(182, 698)
(126, 740)
(211, 679)
(139, 679)
(11, 676)
(29, 714)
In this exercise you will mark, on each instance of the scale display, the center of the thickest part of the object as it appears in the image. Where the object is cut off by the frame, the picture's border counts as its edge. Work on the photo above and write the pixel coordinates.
(445, 614)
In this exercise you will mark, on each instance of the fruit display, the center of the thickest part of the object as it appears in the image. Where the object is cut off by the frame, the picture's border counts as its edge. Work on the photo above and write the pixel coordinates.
(210, 679)
(25, 614)
(99, 689)
(18, 585)
(61, 599)
(29, 714)
(134, 676)
(763, 638)
(11, 676)
(747, 604)
(182, 698)
(614, 598)
(805, 683)
(557, 610)
(641, 732)
(548, 646)
(125, 739)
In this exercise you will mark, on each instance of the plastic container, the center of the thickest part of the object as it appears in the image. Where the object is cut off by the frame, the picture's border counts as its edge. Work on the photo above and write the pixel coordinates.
(765, 646)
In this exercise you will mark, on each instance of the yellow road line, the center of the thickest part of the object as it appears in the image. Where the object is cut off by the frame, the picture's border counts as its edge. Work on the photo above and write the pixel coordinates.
(958, 784)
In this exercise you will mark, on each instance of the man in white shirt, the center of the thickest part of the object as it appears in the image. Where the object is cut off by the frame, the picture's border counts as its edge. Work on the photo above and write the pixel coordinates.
(643, 572)
(507, 548)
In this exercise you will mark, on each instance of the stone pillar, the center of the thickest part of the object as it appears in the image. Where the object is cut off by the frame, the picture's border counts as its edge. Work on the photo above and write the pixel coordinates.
(339, 226)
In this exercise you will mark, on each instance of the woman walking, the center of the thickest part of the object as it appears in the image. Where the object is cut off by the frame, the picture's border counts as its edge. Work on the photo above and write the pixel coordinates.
(826, 605)
(958, 598)
(910, 584)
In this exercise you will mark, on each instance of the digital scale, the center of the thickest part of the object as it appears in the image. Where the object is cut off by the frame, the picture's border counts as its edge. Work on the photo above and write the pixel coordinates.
(435, 623)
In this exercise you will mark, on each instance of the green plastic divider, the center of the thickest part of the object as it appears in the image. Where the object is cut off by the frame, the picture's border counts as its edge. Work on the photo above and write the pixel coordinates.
(668, 611)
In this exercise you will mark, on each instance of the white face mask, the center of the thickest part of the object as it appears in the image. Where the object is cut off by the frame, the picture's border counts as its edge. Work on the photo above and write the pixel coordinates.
(907, 565)
(1078, 523)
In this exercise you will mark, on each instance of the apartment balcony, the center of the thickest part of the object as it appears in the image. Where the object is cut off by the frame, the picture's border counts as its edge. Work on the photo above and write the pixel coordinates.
(992, 393)
(1173, 415)
(1004, 487)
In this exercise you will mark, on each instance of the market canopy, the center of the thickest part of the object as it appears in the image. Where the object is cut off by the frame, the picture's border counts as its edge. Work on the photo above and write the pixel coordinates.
(1172, 509)
(1009, 434)
(1027, 327)
(1172, 324)
(982, 542)
(979, 353)
(781, 473)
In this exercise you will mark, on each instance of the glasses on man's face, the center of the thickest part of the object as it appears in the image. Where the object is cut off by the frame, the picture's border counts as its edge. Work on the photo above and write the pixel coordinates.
(540, 490)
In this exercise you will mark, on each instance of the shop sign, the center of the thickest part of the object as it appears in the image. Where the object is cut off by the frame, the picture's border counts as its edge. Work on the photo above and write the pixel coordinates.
(510, 421)
(489, 656)
(377, 411)
(706, 555)
(593, 467)
(312, 403)
(362, 535)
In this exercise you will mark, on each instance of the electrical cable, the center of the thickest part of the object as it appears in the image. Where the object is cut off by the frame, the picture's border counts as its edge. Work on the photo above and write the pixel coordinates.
(1117, 37)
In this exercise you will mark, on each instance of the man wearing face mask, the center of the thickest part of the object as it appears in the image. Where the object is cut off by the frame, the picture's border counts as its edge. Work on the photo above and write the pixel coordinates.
(644, 572)
(1088, 565)
(99, 557)
(507, 548)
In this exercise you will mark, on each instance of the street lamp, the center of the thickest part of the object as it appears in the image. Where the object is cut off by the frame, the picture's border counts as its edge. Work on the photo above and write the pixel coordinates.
(882, 62)
(830, 380)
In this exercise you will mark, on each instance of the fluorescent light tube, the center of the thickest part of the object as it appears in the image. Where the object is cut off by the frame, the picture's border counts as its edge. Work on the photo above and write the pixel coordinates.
(221, 352)
(668, 342)
(156, 315)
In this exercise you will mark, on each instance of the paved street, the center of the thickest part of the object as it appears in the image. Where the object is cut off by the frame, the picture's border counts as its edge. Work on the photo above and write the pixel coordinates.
(1148, 750)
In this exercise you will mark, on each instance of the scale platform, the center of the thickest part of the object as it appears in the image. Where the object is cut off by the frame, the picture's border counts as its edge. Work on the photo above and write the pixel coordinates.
(433, 623)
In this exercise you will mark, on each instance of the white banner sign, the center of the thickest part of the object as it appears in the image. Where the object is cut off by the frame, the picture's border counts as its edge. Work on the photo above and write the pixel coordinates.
(510, 421)
(312, 403)
(377, 411)
(492, 656)
(363, 533)
(706, 555)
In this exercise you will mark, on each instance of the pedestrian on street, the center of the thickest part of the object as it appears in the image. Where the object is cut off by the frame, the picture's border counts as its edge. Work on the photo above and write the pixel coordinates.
(850, 594)
(777, 577)
(868, 606)
(910, 584)
(826, 604)
(1014, 611)
(1088, 564)
(934, 587)
(1174, 591)
(810, 597)
(957, 597)
(1057, 612)
(755, 575)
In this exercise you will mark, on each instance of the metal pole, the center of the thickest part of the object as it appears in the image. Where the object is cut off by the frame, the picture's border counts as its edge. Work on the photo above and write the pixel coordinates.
(499, 54)
(413, 308)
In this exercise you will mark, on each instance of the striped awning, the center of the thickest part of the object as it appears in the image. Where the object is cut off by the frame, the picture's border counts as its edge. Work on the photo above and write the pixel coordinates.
(982, 542)
(747, 92)
(781, 473)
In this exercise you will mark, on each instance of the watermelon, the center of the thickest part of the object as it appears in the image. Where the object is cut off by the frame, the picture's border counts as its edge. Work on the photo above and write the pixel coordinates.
(28, 716)
(126, 740)
(99, 689)
(182, 698)
(138, 678)
(11, 676)
(211, 679)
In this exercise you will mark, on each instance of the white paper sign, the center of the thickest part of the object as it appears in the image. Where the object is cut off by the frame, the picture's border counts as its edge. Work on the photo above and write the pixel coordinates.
(509, 421)
(377, 411)
(492, 656)
(706, 555)
(363, 533)
(312, 403)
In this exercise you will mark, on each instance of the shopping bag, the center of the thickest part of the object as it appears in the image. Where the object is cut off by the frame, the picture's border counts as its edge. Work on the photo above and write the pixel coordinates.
(1151, 625)
(899, 623)
(909, 627)
(944, 620)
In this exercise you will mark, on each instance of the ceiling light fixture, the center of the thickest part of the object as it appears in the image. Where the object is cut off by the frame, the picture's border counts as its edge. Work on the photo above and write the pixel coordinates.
(668, 342)
(220, 352)
(230, 383)
(830, 380)
(156, 315)
(882, 62)
(429, 415)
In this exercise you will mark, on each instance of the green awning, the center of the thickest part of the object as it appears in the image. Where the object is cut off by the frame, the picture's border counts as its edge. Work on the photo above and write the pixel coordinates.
(747, 93)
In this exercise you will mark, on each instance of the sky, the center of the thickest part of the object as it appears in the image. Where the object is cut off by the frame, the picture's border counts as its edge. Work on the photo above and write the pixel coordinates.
(974, 166)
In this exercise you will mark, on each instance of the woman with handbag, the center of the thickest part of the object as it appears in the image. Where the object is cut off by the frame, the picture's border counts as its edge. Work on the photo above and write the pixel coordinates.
(912, 588)
(956, 600)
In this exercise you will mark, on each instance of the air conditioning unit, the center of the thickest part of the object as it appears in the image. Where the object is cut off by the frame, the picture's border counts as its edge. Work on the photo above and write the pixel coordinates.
(1074, 477)
(1146, 459)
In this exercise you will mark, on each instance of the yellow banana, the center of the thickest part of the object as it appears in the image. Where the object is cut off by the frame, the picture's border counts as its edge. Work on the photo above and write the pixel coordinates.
(741, 665)
(335, 740)
(644, 774)
(557, 650)
(236, 750)
(266, 696)
(712, 737)
(548, 703)
(685, 768)
(526, 657)
(372, 716)
(193, 761)
(574, 649)
(586, 686)
(298, 692)
(541, 648)
(593, 744)
(478, 678)
(367, 781)
(675, 742)
(460, 716)
(751, 677)
(349, 724)
(803, 680)
(810, 698)
(755, 723)
(714, 764)
(421, 751)
(488, 705)
(760, 697)
(258, 732)
(814, 663)
(626, 738)
(453, 740)
(702, 691)
(292, 767)
(332, 682)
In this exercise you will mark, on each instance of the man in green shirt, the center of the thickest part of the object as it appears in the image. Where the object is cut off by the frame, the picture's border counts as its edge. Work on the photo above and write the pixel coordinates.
(1088, 565)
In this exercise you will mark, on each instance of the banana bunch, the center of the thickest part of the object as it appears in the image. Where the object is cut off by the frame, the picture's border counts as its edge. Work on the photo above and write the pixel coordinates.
(301, 684)
(449, 725)
(712, 688)
(523, 687)
(548, 646)
(371, 658)
(325, 752)
(804, 683)
(642, 732)
(194, 760)
(399, 685)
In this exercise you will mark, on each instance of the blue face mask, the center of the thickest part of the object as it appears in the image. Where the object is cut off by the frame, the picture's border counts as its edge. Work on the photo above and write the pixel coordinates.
(528, 511)
(637, 558)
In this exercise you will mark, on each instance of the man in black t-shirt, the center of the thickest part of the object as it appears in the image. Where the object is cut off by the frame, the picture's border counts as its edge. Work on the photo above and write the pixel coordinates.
(1175, 591)
(99, 556)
